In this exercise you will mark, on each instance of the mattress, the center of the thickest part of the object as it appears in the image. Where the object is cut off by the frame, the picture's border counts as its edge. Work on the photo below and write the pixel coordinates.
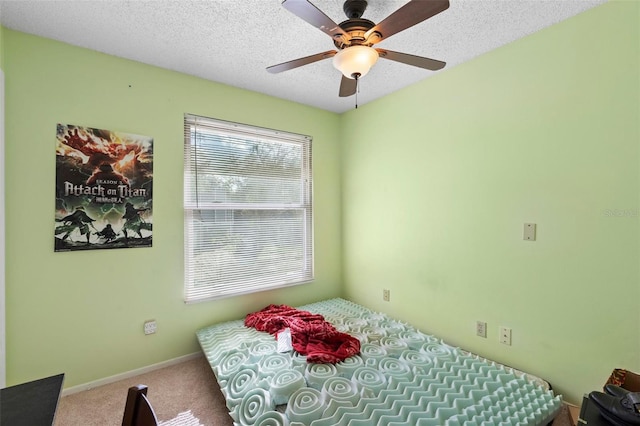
(401, 377)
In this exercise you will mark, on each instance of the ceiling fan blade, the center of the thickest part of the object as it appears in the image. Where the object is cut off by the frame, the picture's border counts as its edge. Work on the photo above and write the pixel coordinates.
(286, 66)
(407, 16)
(348, 87)
(416, 61)
(308, 12)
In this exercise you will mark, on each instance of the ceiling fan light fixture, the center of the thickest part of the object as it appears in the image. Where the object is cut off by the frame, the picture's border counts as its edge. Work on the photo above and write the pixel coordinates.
(355, 61)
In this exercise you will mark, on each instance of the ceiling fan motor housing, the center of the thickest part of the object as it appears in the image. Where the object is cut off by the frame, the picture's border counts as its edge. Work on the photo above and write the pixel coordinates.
(356, 29)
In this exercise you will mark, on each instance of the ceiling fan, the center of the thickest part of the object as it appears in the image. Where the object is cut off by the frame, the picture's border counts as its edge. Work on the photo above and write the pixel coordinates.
(355, 37)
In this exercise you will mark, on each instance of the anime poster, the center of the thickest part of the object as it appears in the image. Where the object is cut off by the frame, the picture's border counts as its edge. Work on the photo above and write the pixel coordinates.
(103, 189)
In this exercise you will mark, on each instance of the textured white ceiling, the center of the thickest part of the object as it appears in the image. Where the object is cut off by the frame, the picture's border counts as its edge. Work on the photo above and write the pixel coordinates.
(233, 41)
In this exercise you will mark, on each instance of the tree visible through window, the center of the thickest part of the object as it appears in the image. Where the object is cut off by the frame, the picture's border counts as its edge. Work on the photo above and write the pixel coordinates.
(247, 209)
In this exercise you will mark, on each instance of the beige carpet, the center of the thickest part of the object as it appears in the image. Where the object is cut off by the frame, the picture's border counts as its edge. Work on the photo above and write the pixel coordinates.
(185, 394)
(188, 386)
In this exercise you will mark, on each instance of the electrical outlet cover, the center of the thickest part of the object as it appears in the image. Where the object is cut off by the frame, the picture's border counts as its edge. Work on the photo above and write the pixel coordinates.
(150, 327)
(505, 336)
(529, 233)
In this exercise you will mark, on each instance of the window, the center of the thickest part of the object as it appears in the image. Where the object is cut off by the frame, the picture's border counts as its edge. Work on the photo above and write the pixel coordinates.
(247, 209)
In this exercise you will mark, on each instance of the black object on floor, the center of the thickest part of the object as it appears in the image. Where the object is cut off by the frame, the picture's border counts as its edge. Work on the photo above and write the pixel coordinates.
(590, 415)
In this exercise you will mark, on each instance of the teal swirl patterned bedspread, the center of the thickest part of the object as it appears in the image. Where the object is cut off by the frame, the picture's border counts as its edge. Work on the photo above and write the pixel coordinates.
(400, 377)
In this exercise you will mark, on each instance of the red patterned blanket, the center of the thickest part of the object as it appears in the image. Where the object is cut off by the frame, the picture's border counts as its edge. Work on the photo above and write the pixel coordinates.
(311, 335)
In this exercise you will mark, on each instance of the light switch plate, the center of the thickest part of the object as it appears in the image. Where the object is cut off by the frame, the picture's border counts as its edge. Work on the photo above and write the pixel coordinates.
(481, 328)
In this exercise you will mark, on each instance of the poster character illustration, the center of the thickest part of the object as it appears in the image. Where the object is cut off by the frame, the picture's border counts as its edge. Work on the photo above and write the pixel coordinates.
(104, 182)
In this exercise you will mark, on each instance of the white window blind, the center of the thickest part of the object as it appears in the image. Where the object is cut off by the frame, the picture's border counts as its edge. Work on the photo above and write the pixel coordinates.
(247, 209)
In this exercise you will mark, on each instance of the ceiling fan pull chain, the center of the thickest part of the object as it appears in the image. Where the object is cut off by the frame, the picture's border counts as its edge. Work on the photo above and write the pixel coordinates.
(357, 89)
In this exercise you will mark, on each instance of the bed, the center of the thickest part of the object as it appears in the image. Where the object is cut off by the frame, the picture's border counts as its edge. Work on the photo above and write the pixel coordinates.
(400, 377)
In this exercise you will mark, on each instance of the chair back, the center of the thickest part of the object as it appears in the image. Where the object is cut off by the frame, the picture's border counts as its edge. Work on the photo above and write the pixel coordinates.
(138, 410)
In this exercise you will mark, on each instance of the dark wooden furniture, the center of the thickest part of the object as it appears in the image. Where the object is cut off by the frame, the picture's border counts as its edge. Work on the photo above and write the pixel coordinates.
(138, 410)
(32, 403)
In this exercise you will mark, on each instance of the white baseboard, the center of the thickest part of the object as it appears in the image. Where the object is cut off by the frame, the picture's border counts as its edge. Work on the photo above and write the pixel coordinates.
(128, 374)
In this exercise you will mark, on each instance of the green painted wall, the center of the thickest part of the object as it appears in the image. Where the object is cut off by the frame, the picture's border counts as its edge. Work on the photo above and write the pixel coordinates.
(438, 180)
(82, 313)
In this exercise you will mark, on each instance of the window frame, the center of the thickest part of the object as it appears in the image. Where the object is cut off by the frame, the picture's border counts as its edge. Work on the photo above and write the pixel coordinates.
(200, 291)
